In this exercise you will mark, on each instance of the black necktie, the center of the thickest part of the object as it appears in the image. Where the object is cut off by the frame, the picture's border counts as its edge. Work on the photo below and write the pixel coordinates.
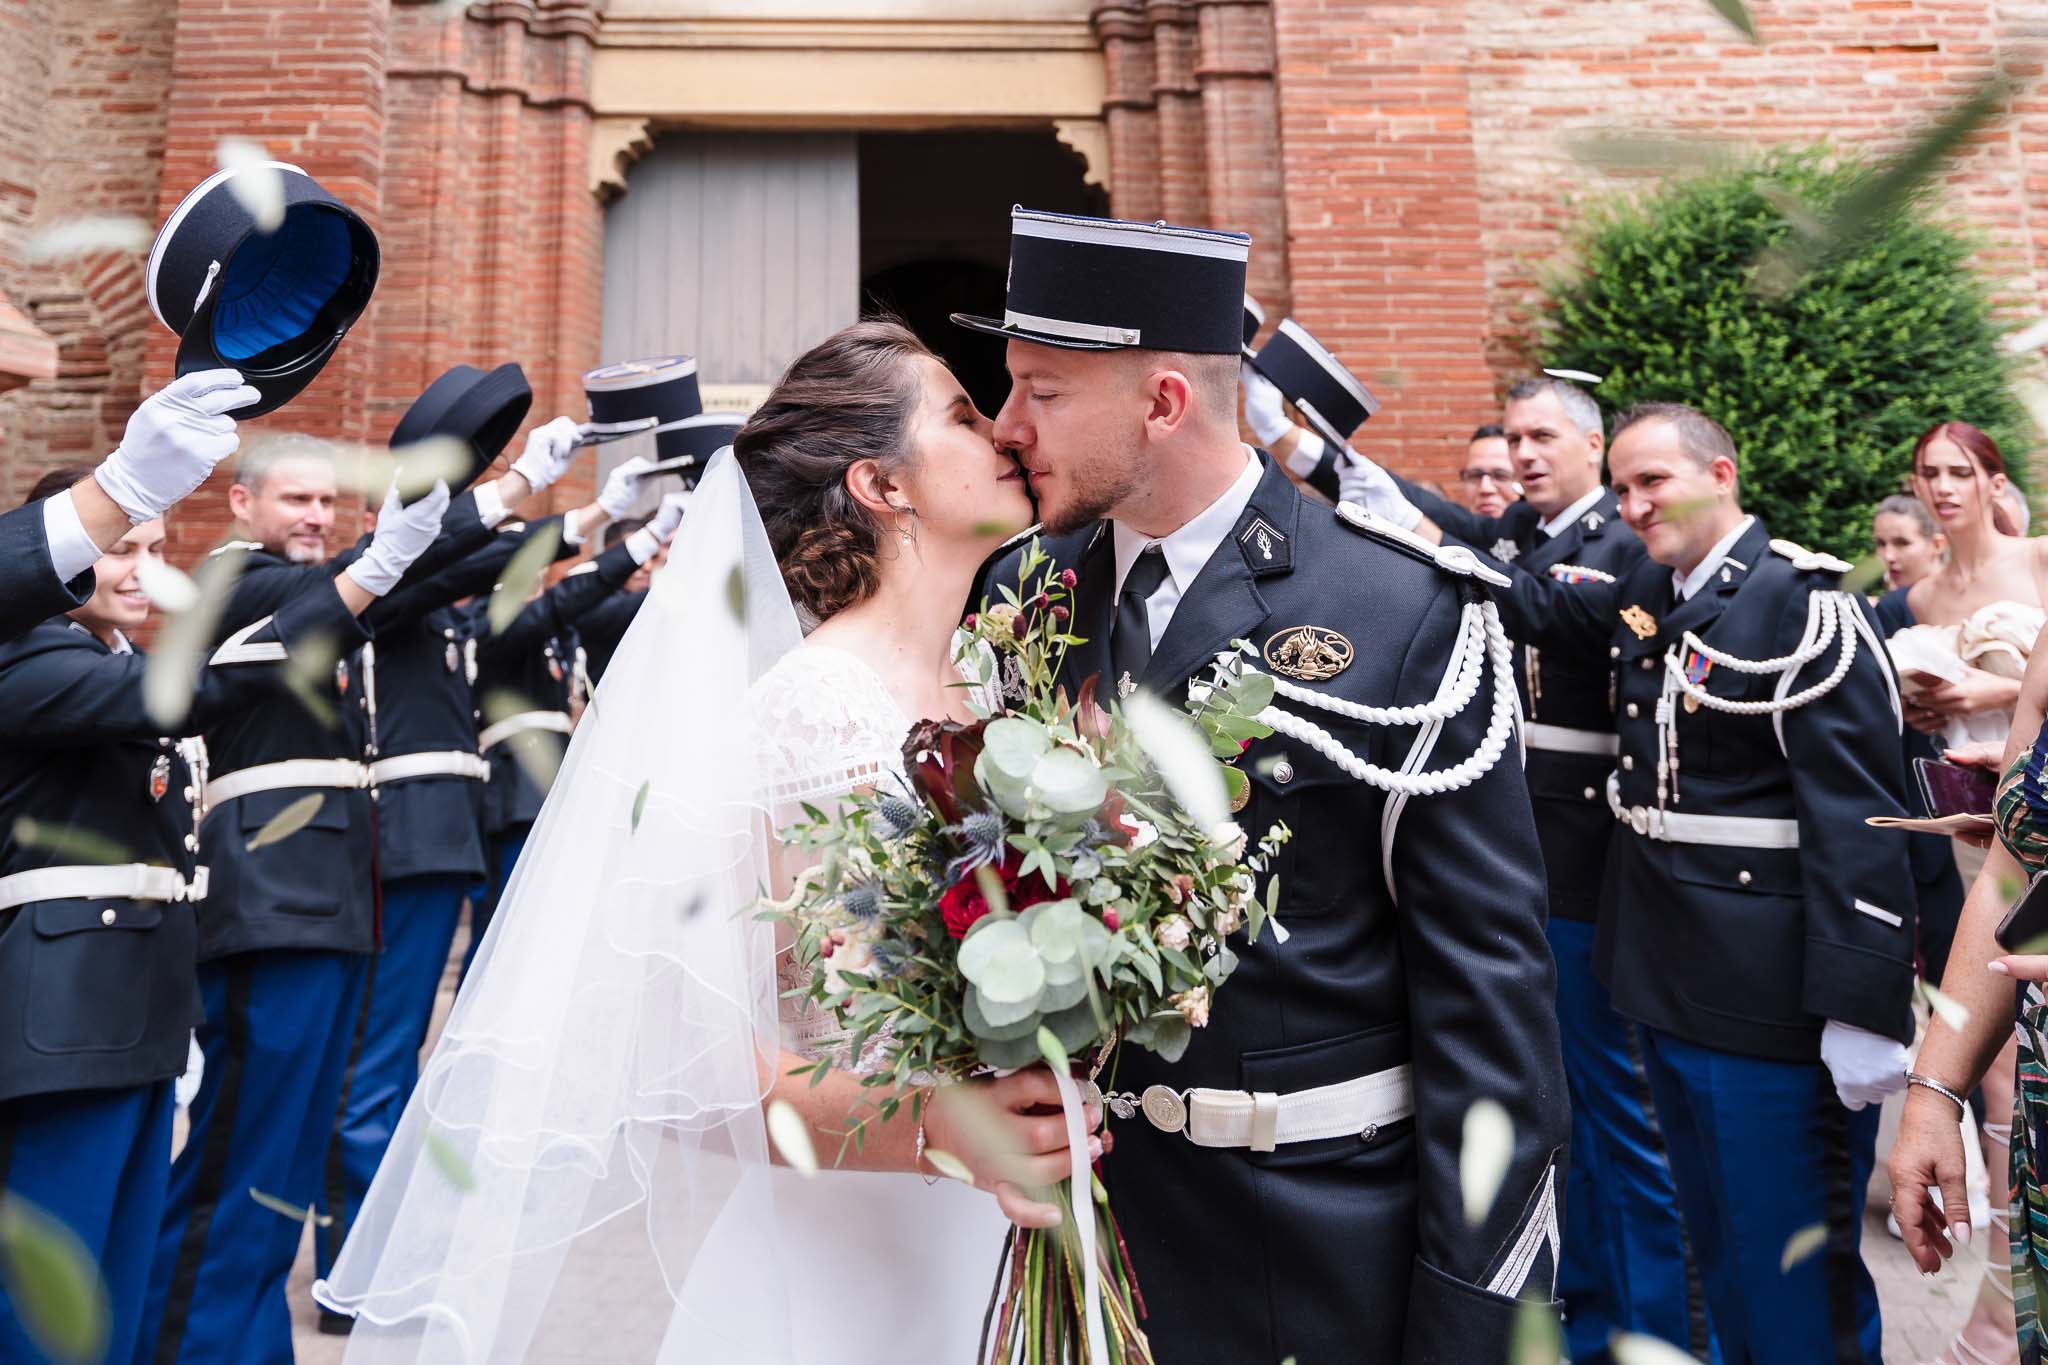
(1130, 640)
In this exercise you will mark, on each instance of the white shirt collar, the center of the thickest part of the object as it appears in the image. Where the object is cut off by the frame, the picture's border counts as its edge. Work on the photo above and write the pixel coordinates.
(1194, 544)
(1688, 584)
(1553, 525)
(120, 646)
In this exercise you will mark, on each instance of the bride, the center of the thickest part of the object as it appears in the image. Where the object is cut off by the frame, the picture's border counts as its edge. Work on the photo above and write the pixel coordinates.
(589, 1138)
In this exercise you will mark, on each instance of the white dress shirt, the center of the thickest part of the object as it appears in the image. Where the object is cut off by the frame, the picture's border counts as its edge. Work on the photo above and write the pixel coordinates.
(1553, 525)
(1187, 549)
(1686, 584)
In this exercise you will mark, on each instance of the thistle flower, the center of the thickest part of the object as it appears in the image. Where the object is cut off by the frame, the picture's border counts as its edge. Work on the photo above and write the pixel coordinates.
(981, 831)
(901, 815)
(862, 903)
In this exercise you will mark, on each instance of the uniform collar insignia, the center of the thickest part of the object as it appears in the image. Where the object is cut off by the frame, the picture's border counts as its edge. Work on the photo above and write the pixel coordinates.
(1640, 621)
(1505, 548)
(1592, 521)
(1265, 549)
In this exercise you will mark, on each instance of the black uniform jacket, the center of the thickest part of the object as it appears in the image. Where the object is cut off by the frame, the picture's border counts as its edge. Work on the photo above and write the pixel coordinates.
(98, 992)
(1416, 937)
(600, 630)
(1566, 688)
(530, 665)
(30, 590)
(316, 889)
(1747, 949)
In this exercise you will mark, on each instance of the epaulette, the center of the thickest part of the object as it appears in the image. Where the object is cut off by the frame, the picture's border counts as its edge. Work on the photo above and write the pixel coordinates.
(1808, 561)
(227, 545)
(1452, 559)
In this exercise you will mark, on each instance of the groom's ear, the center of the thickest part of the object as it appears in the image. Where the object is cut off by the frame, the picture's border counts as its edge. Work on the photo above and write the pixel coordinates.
(1170, 402)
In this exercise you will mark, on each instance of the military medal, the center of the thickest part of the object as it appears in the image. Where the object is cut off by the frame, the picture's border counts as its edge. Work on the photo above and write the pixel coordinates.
(1310, 653)
(341, 676)
(1639, 621)
(554, 666)
(1696, 669)
(1505, 549)
(159, 777)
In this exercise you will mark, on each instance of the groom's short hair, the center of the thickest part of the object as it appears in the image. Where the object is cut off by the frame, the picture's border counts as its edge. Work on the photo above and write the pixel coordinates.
(1214, 378)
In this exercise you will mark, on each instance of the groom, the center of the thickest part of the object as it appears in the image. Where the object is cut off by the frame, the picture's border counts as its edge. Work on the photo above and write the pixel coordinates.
(1291, 1186)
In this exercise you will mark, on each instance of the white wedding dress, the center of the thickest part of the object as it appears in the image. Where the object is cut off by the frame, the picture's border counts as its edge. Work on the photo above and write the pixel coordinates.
(584, 1173)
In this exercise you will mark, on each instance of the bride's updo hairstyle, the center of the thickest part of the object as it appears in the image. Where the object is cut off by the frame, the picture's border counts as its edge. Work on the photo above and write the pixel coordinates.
(852, 397)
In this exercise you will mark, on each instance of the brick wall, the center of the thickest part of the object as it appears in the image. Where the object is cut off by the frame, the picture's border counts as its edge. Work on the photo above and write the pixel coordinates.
(82, 92)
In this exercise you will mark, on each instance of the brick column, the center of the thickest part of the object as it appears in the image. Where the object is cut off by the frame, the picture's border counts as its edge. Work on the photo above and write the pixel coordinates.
(1183, 175)
(306, 79)
(1383, 213)
(1241, 119)
(1133, 119)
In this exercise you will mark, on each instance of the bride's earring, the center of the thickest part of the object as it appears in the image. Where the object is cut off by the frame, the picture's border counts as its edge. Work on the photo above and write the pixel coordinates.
(903, 527)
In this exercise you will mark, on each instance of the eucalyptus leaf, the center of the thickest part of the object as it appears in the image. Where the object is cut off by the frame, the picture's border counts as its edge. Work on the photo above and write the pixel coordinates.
(450, 1162)
(1537, 1337)
(1632, 1348)
(81, 236)
(1065, 992)
(185, 640)
(640, 804)
(1055, 1054)
(1056, 928)
(286, 1209)
(256, 183)
(1068, 784)
(69, 842)
(986, 1018)
(1801, 1245)
(1006, 1054)
(1076, 1026)
(1013, 746)
(521, 574)
(1738, 16)
(52, 1283)
(1181, 755)
(948, 1165)
(998, 958)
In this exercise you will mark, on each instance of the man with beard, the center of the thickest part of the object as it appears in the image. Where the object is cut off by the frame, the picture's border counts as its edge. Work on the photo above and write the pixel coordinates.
(1309, 1135)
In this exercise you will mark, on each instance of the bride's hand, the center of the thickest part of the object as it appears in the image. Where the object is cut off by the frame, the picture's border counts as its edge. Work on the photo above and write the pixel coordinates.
(1011, 1135)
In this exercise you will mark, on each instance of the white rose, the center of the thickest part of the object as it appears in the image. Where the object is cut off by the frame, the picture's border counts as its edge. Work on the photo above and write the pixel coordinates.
(1174, 932)
(1227, 918)
(856, 954)
(1193, 1006)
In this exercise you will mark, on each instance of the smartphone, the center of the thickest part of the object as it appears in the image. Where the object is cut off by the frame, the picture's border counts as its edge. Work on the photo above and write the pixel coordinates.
(1951, 789)
(2025, 927)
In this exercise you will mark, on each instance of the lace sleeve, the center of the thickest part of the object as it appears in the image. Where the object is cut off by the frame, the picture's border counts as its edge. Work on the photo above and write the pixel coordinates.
(829, 724)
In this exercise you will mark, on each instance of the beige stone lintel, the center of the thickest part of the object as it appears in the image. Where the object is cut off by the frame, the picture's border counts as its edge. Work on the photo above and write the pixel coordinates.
(824, 88)
(1090, 138)
(814, 34)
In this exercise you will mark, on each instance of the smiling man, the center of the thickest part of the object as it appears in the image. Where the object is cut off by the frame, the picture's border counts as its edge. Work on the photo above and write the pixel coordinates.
(1754, 927)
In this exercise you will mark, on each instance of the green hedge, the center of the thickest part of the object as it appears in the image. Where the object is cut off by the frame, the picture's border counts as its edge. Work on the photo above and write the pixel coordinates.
(1825, 388)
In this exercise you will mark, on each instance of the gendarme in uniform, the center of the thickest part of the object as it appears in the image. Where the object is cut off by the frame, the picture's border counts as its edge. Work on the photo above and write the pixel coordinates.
(1310, 1135)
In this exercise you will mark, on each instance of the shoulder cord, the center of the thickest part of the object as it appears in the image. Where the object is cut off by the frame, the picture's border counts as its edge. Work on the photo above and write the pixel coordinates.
(1483, 625)
(1824, 620)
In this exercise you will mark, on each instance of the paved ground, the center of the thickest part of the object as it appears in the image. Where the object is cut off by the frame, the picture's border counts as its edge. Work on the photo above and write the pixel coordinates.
(1920, 1313)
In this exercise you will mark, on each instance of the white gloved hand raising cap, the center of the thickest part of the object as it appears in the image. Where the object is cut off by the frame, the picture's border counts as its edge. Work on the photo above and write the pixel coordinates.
(173, 441)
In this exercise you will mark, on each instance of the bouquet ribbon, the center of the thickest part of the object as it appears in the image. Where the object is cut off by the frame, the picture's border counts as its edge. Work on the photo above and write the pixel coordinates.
(1083, 1214)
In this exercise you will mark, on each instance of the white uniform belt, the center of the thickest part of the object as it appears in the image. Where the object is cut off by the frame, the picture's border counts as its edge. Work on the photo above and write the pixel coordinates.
(558, 721)
(292, 772)
(1562, 739)
(1261, 1120)
(453, 763)
(131, 881)
(1727, 831)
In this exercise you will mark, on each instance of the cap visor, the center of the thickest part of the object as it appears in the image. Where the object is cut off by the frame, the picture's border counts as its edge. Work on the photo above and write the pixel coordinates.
(996, 327)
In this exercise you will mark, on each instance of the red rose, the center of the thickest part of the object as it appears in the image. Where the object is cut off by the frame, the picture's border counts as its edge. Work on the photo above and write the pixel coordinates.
(961, 906)
(1026, 892)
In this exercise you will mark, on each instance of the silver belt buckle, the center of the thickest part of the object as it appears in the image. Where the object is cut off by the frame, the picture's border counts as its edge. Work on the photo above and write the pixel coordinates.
(1163, 1107)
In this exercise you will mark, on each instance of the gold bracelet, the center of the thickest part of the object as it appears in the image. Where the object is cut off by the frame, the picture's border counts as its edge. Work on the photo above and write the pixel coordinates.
(1929, 1083)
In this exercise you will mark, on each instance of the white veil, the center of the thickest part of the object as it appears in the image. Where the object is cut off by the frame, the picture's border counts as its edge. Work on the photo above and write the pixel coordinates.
(596, 1095)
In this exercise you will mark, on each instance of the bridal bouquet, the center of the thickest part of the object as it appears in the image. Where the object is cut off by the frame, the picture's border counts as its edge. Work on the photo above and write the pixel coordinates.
(1056, 879)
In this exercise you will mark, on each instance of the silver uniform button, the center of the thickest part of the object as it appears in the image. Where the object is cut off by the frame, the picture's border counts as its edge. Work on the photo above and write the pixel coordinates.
(1628, 763)
(1633, 711)
(1744, 877)
(1649, 663)
(1614, 651)
(1283, 772)
(191, 843)
(107, 917)
(1165, 1108)
(1589, 793)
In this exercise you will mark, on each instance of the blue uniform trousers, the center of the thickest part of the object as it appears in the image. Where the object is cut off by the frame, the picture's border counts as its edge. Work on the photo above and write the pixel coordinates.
(1762, 1150)
(1624, 1263)
(503, 856)
(276, 1038)
(397, 1005)
(97, 1161)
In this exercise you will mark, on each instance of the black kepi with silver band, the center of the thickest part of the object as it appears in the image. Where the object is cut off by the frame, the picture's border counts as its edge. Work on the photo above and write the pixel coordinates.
(482, 409)
(659, 397)
(1329, 397)
(270, 300)
(1102, 284)
(1254, 319)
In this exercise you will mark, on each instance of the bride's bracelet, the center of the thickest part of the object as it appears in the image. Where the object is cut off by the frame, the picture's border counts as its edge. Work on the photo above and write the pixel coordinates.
(1912, 1078)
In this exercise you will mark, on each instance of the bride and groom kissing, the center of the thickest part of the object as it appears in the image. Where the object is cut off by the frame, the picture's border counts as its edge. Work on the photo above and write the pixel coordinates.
(1290, 1186)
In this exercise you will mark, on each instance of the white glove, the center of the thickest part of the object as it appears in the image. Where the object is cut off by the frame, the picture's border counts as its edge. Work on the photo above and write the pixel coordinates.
(403, 534)
(1865, 1066)
(550, 450)
(173, 442)
(1361, 481)
(1262, 410)
(622, 487)
(657, 532)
